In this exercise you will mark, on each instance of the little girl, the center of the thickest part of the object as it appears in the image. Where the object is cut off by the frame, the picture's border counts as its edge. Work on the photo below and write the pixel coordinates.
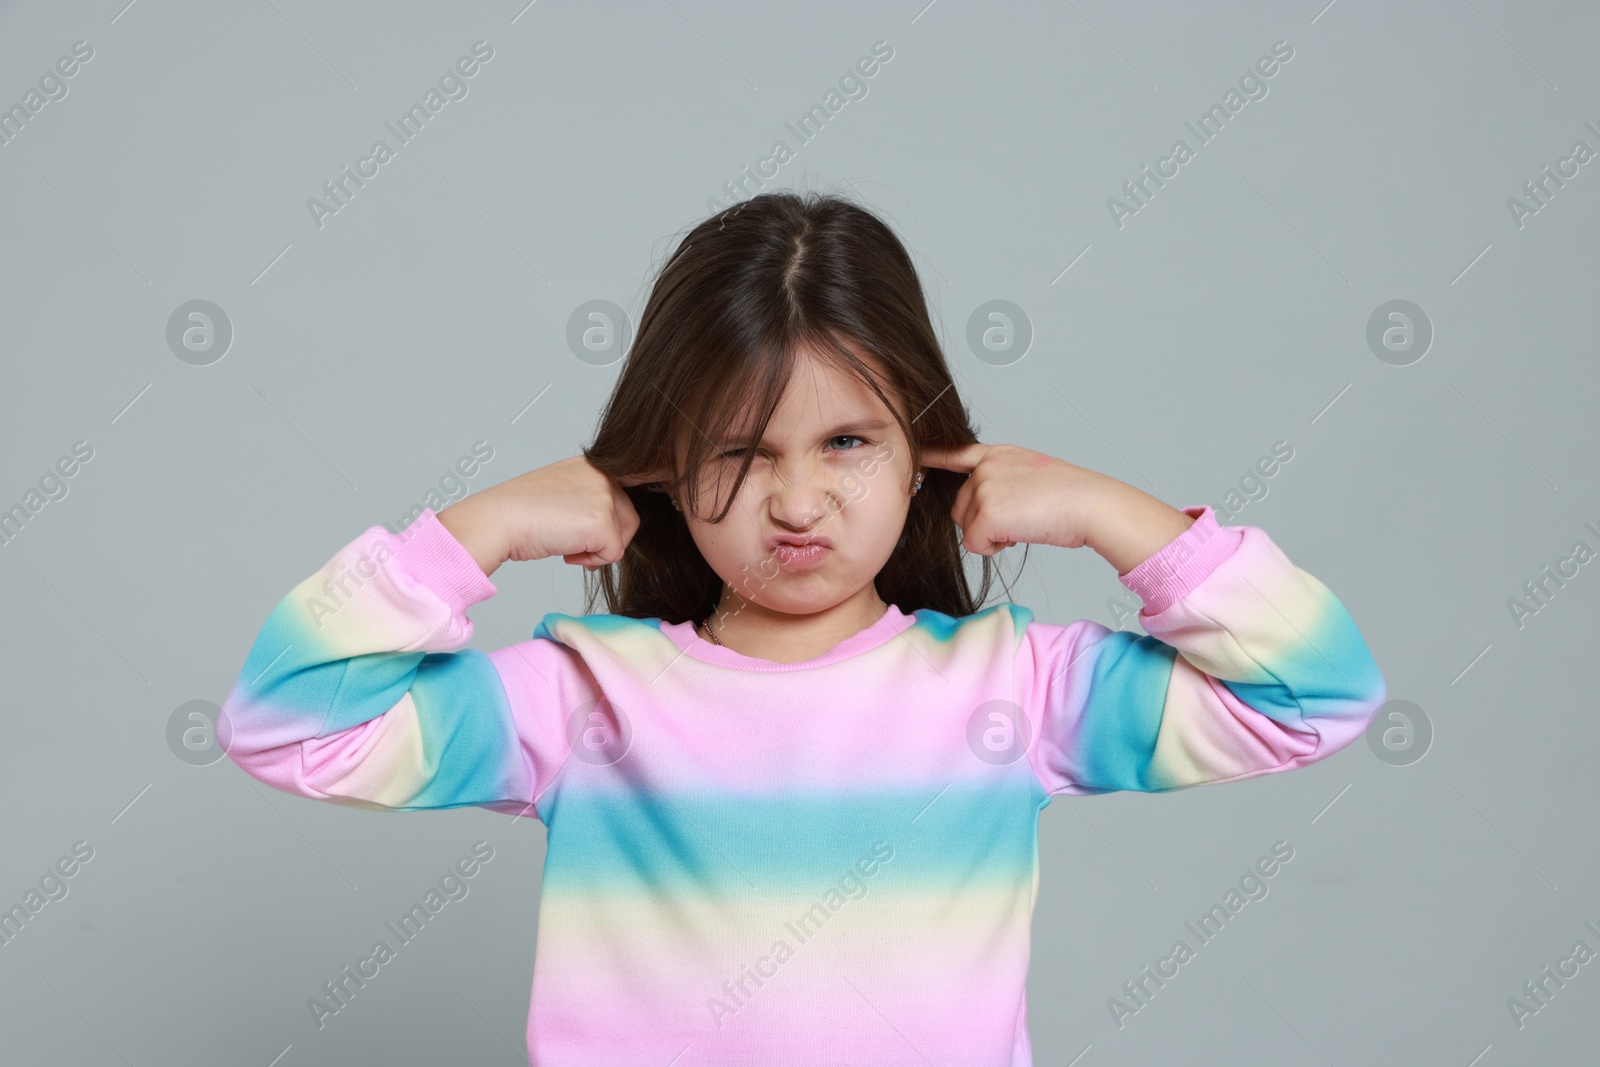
(791, 778)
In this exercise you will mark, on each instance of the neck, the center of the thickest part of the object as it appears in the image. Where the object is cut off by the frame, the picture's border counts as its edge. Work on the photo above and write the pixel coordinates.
(787, 637)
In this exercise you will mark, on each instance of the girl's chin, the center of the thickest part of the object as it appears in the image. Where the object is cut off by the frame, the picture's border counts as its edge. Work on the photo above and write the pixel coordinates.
(812, 594)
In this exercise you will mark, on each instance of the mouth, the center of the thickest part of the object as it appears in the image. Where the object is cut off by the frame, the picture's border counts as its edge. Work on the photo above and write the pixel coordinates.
(799, 553)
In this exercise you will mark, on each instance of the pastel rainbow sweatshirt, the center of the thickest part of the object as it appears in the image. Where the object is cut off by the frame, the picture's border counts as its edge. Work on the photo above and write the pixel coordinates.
(826, 862)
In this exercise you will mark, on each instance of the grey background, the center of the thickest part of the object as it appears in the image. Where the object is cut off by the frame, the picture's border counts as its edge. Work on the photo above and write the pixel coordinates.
(369, 354)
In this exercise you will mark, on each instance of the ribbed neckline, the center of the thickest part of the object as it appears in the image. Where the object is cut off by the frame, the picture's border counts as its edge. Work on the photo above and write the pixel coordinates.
(888, 625)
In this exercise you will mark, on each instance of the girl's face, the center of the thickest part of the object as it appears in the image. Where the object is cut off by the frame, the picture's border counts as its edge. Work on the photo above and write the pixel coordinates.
(833, 466)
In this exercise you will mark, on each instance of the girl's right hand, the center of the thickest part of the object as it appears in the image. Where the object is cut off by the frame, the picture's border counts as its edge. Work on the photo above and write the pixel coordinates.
(569, 509)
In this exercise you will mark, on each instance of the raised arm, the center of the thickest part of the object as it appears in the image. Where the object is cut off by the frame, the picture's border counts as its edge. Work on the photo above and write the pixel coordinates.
(354, 691)
(358, 690)
(1250, 666)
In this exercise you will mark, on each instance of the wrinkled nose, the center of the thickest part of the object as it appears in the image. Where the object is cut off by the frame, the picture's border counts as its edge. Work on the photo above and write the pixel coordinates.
(801, 499)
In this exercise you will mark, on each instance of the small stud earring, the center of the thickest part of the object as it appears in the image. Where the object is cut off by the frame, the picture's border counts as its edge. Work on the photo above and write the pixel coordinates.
(914, 488)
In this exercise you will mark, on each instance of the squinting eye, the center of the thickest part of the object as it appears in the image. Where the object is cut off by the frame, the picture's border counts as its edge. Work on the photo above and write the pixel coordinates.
(848, 437)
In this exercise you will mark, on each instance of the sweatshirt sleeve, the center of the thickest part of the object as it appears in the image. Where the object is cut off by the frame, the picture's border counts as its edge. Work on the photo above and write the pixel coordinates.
(1250, 666)
(357, 690)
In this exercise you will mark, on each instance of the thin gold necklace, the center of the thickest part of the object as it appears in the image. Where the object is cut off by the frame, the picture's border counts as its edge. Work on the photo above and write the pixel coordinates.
(712, 634)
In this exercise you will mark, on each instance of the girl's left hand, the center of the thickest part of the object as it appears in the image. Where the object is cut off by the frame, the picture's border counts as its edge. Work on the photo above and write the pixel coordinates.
(1015, 494)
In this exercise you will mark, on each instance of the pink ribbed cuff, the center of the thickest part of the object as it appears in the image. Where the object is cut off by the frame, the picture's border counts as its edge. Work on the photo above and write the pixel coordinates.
(1184, 562)
(432, 557)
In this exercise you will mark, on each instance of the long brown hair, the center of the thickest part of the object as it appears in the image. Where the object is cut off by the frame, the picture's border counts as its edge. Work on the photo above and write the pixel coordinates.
(720, 335)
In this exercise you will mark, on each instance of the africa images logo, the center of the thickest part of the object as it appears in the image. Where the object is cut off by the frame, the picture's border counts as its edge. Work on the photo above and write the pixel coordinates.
(1252, 86)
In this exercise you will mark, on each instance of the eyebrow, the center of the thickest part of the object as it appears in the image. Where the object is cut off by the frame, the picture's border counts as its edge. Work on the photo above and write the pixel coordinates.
(840, 430)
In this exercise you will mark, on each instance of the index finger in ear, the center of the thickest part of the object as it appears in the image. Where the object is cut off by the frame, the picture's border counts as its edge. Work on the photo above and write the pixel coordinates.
(961, 459)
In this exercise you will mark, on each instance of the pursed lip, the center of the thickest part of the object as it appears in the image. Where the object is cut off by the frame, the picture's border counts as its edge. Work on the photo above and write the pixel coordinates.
(797, 540)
